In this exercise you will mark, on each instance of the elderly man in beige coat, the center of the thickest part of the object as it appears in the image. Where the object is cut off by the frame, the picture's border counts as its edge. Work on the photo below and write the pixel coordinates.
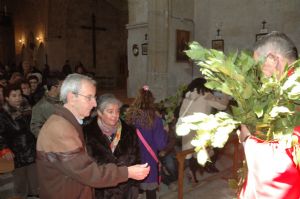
(64, 168)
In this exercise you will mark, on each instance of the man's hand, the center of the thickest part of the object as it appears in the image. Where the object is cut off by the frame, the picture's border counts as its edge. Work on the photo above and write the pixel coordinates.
(243, 134)
(138, 171)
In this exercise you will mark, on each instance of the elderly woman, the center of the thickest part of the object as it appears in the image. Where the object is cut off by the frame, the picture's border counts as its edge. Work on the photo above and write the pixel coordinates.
(110, 140)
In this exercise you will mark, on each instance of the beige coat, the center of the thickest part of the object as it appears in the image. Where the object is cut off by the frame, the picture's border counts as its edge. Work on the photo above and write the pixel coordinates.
(65, 170)
(196, 102)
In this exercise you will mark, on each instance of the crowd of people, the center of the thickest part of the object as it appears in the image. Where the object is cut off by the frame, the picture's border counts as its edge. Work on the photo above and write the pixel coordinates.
(47, 130)
(24, 94)
(114, 137)
(67, 142)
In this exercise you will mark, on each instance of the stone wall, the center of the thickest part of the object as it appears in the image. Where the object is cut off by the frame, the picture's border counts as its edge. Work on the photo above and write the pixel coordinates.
(241, 20)
(137, 31)
(59, 23)
(76, 44)
(159, 68)
(30, 19)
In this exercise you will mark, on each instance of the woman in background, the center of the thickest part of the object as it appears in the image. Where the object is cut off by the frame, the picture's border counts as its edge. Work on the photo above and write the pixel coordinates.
(198, 98)
(111, 140)
(17, 142)
(142, 114)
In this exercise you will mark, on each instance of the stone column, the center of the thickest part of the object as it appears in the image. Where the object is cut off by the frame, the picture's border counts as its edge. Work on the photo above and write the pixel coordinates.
(157, 66)
(137, 36)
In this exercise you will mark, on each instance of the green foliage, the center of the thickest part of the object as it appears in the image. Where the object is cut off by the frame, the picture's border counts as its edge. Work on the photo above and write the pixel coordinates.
(170, 103)
(260, 100)
(265, 105)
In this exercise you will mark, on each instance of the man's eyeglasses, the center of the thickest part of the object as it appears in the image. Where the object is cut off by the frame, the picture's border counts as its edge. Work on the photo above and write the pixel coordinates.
(89, 98)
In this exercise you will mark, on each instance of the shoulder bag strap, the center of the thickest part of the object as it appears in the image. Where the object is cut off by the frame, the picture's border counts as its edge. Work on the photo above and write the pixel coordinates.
(149, 149)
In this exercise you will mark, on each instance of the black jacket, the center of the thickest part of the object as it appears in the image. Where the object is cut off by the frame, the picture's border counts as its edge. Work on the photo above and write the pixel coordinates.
(126, 153)
(15, 134)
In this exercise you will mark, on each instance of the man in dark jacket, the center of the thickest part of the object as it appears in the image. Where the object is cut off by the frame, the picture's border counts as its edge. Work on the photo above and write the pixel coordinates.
(45, 107)
(64, 168)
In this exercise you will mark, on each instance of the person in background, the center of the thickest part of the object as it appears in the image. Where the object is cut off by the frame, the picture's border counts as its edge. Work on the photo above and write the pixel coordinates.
(65, 170)
(167, 155)
(17, 142)
(142, 114)
(26, 92)
(66, 68)
(45, 73)
(272, 172)
(1, 96)
(80, 69)
(198, 98)
(2, 70)
(3, 81)
(15, 78)
(26, 69)
(110, 140)
(42, 110)
(123, 111)
(6, 176)
(37, 90)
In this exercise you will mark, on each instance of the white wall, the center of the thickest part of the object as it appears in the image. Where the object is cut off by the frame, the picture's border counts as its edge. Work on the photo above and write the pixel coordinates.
(137, 65)
(137, 28)
(241, 20)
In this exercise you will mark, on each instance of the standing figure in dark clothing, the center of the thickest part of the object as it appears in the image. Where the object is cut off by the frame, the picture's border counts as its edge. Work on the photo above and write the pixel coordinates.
(37, 90)
(66, 69)
(17, 142)
(142, 114)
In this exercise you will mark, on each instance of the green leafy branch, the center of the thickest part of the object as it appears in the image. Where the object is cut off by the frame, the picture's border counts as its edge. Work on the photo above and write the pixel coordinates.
(171, 103)
(266, 105)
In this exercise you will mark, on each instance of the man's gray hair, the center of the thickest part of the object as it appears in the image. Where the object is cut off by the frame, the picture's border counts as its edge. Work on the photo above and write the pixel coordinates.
(276, 42)
(104, 100)
(72, 84)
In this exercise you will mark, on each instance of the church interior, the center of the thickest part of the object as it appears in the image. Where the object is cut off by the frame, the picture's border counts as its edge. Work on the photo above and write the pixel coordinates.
(125, 44)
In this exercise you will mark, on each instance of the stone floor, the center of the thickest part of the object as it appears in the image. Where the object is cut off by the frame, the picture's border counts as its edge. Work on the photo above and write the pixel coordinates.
(210, 185)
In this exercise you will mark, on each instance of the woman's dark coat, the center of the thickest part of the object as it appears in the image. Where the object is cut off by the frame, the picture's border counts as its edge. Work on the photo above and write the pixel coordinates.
(15, 134)
(126, 153)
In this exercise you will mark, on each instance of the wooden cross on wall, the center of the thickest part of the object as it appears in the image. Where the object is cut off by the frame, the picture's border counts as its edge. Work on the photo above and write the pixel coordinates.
(94, 29)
